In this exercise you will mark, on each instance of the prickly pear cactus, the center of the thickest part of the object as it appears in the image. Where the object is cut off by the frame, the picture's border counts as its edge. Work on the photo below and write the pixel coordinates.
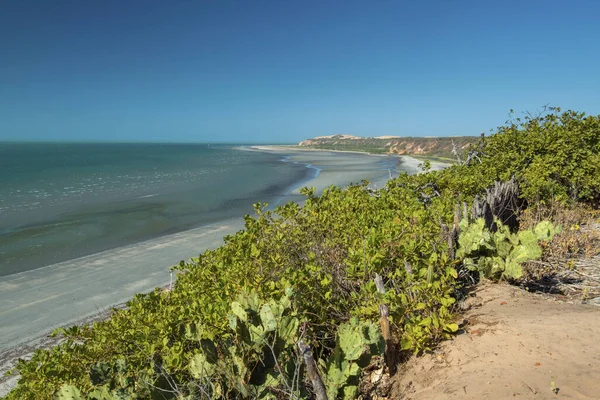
(499, 254)
(256, 360)
(68, 392)
(357, 343)
(200, 366)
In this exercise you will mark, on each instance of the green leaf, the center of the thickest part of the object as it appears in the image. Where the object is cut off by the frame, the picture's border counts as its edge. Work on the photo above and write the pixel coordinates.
(452, 272)
(429, 276)
(351, 342)
(513, 270)
(545, 230)
(288, 327)
(267, 318)
(200, 367)
(102, 393)
(527, 237)
(68, 392)
(238, 311)
(406, 343)
(350, 392)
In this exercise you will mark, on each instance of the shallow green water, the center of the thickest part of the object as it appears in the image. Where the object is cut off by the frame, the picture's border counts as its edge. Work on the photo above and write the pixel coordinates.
(61, 201)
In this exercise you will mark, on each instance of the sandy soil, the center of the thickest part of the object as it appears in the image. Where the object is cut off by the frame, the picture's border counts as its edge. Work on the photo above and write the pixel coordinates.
(514, 345)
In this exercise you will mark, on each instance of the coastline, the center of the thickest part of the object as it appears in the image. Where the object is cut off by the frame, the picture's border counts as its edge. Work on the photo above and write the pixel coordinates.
(83, 290)
(170, 250)
(411, 162)
(340, 168)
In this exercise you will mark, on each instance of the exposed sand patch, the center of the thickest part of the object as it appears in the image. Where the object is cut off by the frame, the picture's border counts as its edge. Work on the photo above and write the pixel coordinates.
(516, 345)
(413, 163)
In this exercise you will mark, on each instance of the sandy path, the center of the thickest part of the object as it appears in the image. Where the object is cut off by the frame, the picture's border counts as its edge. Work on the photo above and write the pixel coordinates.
(515, 345)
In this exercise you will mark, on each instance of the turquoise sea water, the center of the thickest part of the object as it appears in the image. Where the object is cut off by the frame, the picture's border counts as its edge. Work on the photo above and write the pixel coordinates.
(62, 201)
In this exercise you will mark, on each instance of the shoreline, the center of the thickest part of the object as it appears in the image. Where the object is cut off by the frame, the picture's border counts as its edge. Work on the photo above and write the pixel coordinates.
(85, 289)
(376, 176)
(408, 160)
(276, 148)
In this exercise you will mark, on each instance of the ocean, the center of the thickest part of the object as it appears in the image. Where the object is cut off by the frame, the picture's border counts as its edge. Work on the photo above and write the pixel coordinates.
(60, 201)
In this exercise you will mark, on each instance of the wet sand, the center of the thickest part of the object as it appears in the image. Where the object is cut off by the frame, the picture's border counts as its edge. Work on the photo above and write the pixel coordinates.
(342, 168)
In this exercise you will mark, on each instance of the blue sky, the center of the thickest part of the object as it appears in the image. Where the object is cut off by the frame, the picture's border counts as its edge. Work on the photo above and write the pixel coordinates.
(285, 70)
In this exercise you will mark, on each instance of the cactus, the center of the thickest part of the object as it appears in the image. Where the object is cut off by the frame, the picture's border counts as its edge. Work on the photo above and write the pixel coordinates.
(256, 360)
(68, 392)
(260, 352)
(201, 367)
(499, 254)
(357, 343)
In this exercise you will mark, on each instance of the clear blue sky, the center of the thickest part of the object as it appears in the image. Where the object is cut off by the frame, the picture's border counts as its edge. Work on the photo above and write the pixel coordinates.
(285, 70)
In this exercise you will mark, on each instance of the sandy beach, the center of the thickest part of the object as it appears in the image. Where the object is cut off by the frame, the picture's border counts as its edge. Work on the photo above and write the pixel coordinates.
(341, 168)
(409, 163)
(35, 302)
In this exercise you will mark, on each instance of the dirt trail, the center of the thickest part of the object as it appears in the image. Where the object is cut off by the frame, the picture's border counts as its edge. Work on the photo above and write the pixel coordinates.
(515, 345)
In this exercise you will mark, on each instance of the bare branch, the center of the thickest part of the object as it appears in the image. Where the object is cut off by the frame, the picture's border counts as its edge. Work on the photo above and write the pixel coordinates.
(313, 373)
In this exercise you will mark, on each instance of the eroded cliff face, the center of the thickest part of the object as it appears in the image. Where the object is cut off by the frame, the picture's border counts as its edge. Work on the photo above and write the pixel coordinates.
(434, 146)
(339, 138)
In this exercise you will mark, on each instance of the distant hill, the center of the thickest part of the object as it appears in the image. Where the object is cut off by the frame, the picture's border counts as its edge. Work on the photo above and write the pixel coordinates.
(420, 146)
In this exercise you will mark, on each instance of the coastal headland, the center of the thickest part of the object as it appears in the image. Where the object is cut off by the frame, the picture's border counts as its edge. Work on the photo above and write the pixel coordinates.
(442, 148)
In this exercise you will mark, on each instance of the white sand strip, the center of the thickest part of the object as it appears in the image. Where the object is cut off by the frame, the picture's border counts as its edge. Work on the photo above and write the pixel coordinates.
(34, 302)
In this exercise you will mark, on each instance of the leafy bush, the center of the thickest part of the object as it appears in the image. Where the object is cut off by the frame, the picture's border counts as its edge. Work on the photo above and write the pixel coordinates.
(255, 357)
(555, 155)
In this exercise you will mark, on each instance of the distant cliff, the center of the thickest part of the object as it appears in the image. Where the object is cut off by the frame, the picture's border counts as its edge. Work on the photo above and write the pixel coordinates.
(430, 146)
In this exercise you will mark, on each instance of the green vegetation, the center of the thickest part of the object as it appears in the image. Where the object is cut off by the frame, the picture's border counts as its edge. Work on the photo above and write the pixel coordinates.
(554, 157)
(438, 148)
(435, 159)
(499, 254)
(373, 146)
(230, 326)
